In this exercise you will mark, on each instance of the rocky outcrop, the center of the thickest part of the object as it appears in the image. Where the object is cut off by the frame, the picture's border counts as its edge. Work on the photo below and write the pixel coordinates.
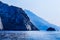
(51, 29)
(14, 18)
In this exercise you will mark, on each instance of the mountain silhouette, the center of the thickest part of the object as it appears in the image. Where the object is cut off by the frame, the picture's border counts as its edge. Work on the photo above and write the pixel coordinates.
(14, 18)
(40, 23)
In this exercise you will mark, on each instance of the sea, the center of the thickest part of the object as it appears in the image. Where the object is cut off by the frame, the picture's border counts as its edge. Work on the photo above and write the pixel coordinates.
(29, 35)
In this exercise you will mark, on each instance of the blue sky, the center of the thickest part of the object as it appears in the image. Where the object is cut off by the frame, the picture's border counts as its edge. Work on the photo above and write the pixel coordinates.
(46, 9)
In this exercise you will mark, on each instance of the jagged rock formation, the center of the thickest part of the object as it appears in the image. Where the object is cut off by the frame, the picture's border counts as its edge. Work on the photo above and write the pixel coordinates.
(14, 18)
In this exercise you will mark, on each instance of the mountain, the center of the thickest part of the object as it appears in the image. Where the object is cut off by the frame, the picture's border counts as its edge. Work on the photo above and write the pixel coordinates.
(14, 18)
(40, 23)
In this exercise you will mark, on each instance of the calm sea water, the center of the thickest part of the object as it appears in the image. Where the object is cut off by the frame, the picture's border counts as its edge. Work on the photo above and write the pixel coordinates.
(29, 35)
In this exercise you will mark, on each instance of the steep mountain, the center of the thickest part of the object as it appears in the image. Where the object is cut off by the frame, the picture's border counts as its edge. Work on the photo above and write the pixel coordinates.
(40, 23)
(14, 18)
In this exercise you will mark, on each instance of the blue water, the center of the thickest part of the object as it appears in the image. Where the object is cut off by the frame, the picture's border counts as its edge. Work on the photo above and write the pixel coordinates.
(29, 35)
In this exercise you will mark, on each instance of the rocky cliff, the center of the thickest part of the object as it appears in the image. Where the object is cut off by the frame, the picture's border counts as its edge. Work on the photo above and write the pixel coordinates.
(14, 18)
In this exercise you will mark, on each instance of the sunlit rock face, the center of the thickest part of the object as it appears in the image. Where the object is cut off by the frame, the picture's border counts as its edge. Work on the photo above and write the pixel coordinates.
(1, 26)
(14, 18)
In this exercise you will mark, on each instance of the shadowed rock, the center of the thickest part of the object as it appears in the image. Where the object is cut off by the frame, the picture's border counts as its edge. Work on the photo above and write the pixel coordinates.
(14, 18)
(51, 29)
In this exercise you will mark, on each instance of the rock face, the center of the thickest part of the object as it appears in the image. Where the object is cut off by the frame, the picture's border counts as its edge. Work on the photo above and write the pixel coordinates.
(14, 18)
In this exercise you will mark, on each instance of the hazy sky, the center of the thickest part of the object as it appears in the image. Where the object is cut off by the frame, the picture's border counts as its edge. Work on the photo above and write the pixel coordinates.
(46, 9)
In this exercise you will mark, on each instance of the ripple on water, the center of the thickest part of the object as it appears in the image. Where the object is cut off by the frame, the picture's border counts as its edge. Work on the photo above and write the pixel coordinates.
(29, 35)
